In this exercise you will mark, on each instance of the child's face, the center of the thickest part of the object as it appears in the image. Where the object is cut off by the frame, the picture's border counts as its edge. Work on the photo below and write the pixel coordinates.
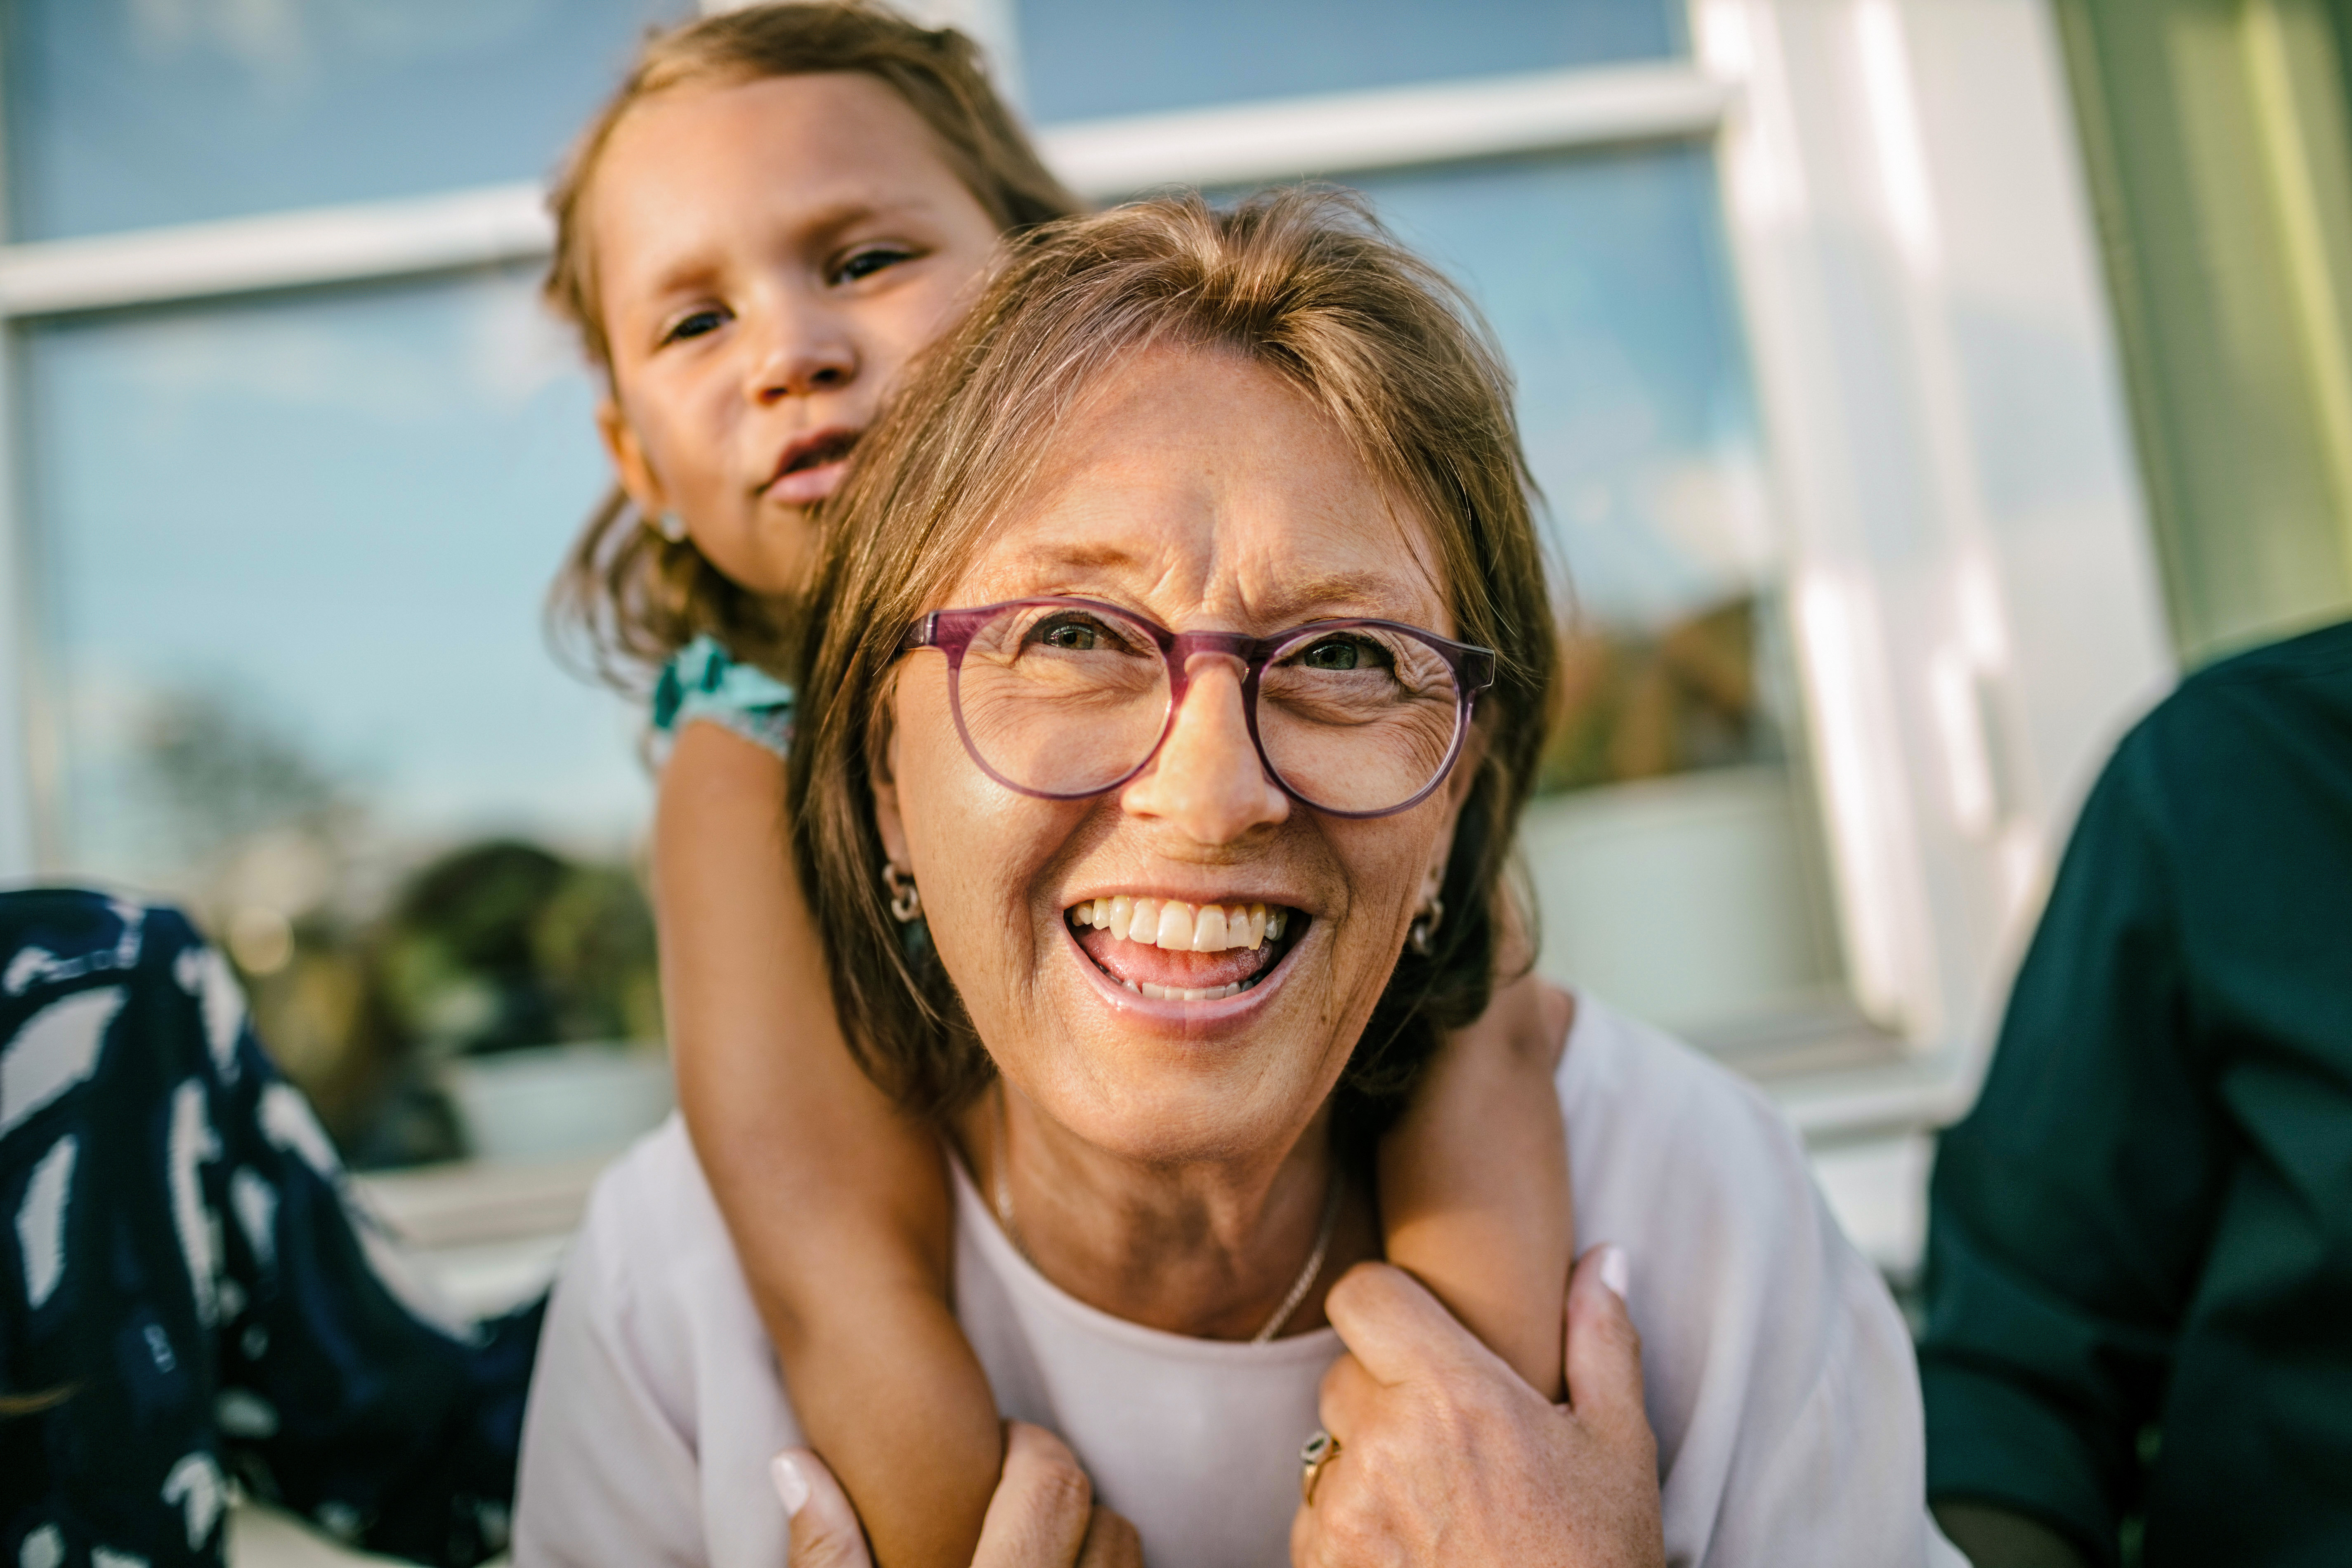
(768, 255)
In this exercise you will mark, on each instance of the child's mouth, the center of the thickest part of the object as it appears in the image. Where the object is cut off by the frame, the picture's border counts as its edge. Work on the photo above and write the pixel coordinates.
(812, 468)
(1170, 951)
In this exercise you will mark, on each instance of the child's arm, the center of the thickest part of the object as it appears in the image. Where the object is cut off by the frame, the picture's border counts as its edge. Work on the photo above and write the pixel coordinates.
(837, 1205)
(1475, 1184)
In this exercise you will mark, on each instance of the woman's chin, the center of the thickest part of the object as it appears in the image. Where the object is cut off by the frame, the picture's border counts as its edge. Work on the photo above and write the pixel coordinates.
(1187, 1079)
(1161, 1081)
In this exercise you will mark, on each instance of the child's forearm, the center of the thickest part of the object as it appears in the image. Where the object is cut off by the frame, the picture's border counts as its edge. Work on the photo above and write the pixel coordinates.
(837, 1204)
(911, 1434)
(1475, 1193)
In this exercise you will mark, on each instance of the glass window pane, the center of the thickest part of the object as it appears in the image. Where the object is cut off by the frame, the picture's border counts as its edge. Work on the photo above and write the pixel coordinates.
(1083, 60)
(1607, 279)
(128, 113)
(1676, 855)
(294, 552)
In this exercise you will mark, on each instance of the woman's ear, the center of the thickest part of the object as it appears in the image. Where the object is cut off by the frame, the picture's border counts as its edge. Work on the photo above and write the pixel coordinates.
(628, 458)
(884, 771)
(1458, 785)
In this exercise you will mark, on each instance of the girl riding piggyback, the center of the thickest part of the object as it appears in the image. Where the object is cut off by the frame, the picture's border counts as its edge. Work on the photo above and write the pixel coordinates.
(779, 211)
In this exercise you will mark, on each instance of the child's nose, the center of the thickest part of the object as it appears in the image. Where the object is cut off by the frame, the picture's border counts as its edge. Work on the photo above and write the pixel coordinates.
(806, 352)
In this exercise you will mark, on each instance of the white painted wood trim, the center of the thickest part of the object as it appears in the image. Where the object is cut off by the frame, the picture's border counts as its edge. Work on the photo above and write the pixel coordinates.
(1102, 159)
(1537, 112)
(1975, 598)
(22, 765)
(291, 250)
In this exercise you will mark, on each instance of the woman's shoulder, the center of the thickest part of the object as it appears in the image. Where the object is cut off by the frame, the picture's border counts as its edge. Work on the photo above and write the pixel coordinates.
(650, 1220)
(651, 1279)
(654, 1377)
(1776, 1367)
(1691, 1166)
(1644, 1098)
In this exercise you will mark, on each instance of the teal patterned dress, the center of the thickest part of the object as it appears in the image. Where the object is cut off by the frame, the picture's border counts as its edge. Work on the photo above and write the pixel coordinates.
(705, 682)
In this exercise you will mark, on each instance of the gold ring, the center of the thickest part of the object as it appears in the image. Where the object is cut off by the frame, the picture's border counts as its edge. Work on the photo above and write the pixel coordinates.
(1319, 1451)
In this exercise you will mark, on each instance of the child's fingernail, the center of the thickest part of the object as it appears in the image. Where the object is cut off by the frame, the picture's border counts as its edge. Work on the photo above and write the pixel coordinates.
(1615, 1272)
(791, 1487)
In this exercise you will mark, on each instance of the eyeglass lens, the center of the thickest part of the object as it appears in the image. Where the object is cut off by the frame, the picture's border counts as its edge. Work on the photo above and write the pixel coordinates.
(1068, 701)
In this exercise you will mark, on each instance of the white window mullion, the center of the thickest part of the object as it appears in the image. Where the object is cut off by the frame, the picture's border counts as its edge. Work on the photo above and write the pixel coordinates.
(1544, 111)
(358, 243)
(24, 772)
(24, 757)
(1914, 256)
(1390, 128)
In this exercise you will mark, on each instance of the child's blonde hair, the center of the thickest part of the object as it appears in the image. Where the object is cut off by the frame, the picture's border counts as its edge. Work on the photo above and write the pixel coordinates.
(626, 596)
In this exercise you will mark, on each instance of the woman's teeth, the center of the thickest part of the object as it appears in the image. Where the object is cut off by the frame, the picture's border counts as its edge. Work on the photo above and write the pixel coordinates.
(1180, 927)
(1183, 994)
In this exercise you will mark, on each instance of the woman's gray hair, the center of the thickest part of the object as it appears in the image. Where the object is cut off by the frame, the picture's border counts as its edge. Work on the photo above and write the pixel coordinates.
(1306, 283)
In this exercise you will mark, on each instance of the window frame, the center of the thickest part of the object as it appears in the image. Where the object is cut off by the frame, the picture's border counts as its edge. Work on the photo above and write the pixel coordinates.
(1890, 169)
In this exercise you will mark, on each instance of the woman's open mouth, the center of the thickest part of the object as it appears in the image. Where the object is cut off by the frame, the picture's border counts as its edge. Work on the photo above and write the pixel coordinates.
(812, 468)
(1170, 951)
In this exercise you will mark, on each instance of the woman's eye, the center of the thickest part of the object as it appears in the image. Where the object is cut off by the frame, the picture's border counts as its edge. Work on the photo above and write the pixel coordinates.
(1070, 636)
(1338, 653)
(694, 324)
(867, 262)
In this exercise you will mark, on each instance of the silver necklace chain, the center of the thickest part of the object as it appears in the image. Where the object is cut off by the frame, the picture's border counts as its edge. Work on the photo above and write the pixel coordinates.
(1298, 1287)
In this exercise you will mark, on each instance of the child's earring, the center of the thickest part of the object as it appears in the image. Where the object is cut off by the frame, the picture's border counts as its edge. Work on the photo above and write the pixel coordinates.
(905, 899)
(1420, 935)
(670, 526)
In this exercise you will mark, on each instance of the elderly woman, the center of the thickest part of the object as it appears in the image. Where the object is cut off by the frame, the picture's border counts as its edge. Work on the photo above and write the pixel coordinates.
(1184, 660)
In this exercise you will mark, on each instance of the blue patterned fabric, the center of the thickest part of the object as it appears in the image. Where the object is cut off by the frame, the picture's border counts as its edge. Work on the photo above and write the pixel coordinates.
(703, 681)
(186, 1293)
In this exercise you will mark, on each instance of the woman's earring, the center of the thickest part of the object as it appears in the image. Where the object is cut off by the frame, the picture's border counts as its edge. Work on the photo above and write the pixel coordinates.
(670, 526)
(1419, 935)
(905, 899)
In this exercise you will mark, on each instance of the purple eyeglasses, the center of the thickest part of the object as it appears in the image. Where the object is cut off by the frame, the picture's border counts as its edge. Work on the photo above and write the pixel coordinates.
(1064, 699)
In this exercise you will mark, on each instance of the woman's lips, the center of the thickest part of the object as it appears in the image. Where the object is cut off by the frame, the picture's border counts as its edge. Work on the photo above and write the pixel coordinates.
(1133, 963)
(1191, 953)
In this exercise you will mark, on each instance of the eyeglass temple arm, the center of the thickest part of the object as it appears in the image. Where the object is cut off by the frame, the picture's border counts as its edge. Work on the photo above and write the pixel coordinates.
(922, 633)
(1478, 670)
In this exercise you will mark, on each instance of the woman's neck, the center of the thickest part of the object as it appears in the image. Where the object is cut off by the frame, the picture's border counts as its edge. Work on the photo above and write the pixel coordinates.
(1208, 1249)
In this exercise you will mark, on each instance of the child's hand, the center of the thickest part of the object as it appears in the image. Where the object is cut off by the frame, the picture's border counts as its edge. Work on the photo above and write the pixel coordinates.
(1042, 1515)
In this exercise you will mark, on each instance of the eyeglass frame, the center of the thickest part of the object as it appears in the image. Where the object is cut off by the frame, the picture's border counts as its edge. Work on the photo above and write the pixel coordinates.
(951, 632)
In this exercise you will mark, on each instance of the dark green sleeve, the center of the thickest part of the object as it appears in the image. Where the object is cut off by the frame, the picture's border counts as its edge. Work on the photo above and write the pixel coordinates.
(2070, 1211)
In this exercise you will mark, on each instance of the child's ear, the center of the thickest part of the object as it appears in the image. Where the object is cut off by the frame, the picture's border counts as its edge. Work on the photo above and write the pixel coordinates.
(628, 456)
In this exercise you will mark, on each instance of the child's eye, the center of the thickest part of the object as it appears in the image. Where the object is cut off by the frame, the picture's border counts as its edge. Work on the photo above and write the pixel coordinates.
(872, 259)
(694, 324)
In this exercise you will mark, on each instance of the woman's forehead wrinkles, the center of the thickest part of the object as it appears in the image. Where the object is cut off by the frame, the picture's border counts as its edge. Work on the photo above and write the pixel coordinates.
(1234, 592)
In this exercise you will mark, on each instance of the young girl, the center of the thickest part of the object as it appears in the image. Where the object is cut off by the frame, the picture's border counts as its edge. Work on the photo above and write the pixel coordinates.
(781, 208)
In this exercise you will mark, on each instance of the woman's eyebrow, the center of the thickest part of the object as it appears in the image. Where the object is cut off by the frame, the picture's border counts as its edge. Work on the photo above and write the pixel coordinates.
(1334, 595)
(1325, 596)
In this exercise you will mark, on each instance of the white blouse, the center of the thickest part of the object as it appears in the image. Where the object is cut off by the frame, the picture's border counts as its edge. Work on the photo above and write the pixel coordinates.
(1779, 1377)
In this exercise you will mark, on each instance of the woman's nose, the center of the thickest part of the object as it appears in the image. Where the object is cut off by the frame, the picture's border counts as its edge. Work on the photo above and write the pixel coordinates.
(1207, 780)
